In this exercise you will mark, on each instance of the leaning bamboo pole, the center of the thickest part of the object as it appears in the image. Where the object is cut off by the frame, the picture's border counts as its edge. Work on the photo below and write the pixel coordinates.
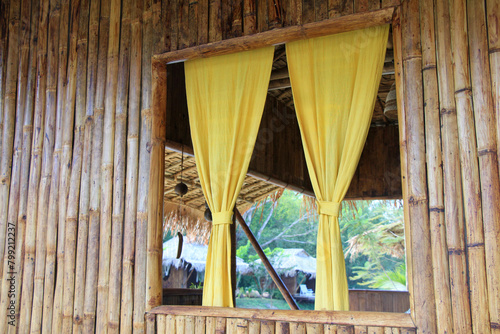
(61, 35)
(423, 296)
(65, 172)
(132, 172)
(143, 178)
(20, 218)
(107, 167)
(156, 184)
(47, 162)
(481, 244)
(115, 272)
(276, 279)
(83, 224)
(37, 165)
(434, 169)
(9, 113)
(76, 188)
(470, 181)
(89, 307)
(454, 216)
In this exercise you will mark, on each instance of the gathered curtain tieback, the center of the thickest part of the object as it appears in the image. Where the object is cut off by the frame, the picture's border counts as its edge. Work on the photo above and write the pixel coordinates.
(328, 208)
(224, 217)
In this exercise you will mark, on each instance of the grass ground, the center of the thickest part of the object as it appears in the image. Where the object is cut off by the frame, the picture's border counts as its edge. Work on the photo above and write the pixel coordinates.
(266, 303)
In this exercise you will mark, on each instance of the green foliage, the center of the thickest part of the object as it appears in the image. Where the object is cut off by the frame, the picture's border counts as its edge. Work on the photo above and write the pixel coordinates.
(372, 235)
(196, 286)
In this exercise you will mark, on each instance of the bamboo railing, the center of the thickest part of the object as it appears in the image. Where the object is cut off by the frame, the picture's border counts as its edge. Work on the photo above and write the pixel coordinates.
(199, 319)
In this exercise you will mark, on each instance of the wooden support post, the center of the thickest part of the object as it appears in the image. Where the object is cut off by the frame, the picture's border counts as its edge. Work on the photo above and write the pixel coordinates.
(276, 279)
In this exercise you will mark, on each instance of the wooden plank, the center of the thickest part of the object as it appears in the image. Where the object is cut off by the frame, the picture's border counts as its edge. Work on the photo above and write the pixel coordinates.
(360, 330)
(231, 326)
(174, 24)
(189, 326)
(281, 35)
(375, 330)
(210, 325)
(330, 329)
(345, 330)
(267, 327)
(253, 326)
(199, 325)
(161, 324)
(282, 327)
(170, 324)
(314, 328)
(242, 326)
(184, 24)
(220, 325)
(214, 19)
(297, 328)
(307, 11)
(180, 324)
(262, 18)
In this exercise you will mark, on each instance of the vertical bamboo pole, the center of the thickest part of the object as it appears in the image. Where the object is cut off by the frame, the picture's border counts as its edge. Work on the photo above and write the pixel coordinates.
(9, 114)
(19, 221)
(83, 224)
(91, 278)
(480, 244)
(4, 24)
(107, 167)
(65, 172)
(36, 169)
(156, 183)
(8, 229)
(454, 216)
(47, 161)
(143, 178)
(424, 312)
(398, 65)
(76, 187)
(132, 171)
(50, 266)
(115, 273)
(434, 169)
(470, 175)
(493, 13)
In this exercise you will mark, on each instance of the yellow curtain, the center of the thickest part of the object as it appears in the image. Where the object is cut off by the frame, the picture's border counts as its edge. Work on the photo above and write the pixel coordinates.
(334, 83)
(226, 96)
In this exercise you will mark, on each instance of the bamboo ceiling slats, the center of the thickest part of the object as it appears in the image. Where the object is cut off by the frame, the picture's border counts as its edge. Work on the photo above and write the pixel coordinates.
(253, 190)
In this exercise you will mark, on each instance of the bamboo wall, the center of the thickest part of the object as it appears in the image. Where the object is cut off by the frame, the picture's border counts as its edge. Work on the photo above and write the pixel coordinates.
(78, 148)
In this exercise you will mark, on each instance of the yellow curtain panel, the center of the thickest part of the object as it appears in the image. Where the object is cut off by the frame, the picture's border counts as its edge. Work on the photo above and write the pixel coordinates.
(334, 83)
(226, 96)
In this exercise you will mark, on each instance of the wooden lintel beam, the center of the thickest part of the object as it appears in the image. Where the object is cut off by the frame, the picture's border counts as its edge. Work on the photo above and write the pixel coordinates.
(281, 36)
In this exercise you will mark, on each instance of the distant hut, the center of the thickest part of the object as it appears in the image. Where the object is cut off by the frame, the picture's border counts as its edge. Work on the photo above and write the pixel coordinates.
(190, 266)
(292, 262)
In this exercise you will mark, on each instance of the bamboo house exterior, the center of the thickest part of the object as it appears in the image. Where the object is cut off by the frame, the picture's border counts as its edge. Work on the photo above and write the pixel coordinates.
(89, 108)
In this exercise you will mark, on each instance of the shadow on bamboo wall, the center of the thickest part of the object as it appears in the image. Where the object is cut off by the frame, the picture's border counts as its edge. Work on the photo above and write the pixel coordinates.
(76, 139)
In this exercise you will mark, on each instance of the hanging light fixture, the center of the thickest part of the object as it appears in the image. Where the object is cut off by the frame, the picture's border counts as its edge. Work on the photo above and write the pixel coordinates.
(181, 188)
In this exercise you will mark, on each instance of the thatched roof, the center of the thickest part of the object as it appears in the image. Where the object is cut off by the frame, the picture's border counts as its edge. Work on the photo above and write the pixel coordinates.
(193, 254)
(187, 216)
(293, 260)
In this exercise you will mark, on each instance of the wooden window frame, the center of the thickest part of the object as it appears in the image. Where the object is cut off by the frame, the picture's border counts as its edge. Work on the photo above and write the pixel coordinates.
(390, 15)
